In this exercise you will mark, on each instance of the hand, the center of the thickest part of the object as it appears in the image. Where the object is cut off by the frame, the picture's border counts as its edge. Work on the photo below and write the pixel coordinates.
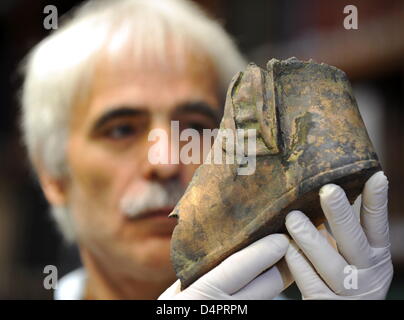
(320, 271)
(241, 275)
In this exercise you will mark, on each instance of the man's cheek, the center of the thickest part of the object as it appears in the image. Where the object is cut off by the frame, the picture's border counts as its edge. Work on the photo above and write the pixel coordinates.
(92, 180)
(188, 172)
(94, 224)
(90, 205)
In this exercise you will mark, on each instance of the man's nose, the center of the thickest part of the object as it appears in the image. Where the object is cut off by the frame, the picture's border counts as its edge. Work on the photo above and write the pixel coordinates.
(162, 161)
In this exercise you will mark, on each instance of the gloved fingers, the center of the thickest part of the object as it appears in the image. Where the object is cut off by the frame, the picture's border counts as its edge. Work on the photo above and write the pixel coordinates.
(202, 291)
(374, 211)
(171, 291)
(266, 286)
(308, 281)
(283, 269)
(324, 232)
(243, 266)
(328, 263)
(356, 207)
(196, 291)
(345, 226)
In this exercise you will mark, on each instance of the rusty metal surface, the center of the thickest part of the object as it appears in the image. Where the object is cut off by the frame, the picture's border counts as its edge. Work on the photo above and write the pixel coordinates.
(310, 133)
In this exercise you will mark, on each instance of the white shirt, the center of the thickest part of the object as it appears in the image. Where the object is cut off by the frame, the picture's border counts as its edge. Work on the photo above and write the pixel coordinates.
(71, 286)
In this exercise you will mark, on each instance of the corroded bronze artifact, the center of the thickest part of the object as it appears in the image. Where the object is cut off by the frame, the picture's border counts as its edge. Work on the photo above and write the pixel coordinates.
(309, 133)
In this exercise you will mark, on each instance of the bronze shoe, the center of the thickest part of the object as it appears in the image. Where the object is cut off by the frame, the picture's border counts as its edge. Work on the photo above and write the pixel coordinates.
(309, 133)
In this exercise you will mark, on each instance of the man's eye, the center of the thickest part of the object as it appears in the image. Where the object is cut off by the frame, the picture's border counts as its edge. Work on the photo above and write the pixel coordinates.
(121, 132)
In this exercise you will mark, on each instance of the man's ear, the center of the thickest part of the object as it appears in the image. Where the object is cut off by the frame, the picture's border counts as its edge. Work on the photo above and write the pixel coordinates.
(54, 188)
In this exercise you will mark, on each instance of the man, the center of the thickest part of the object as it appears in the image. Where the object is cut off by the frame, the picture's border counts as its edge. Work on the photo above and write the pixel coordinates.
(93, 91)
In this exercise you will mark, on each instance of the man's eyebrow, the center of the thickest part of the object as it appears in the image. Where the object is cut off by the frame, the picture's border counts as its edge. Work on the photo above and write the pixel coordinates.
(199, 107)
(117, 112)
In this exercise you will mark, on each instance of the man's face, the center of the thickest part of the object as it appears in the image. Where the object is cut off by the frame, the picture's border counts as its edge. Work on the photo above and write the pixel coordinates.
(108, 161)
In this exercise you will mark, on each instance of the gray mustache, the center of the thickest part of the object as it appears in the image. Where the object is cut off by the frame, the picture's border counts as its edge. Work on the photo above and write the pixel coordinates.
(155, 197)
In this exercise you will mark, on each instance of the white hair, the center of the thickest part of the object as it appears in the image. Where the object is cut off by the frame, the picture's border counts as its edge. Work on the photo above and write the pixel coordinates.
(59, 69)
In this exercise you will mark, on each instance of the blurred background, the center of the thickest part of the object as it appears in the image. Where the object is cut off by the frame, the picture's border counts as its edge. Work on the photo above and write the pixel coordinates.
(372, 56)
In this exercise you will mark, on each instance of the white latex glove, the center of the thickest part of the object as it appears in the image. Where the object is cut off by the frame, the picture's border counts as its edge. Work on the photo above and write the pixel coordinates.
(363, 243)
(241, 275)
